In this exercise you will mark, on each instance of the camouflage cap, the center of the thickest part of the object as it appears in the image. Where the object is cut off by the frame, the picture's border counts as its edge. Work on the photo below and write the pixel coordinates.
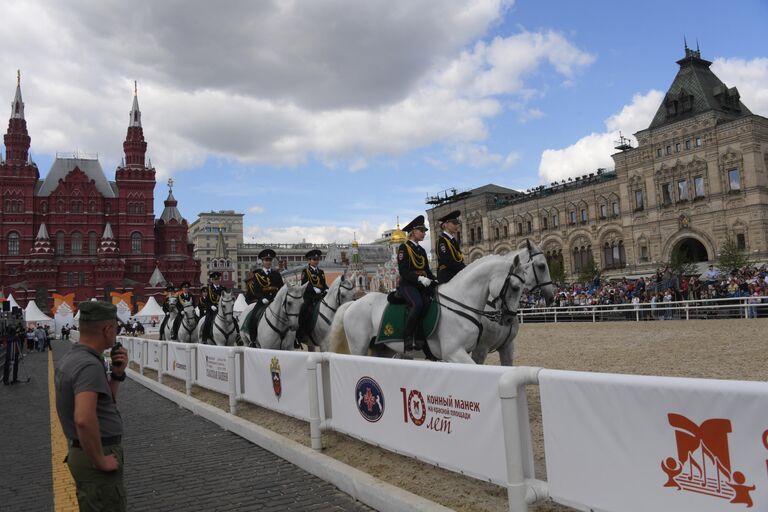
(97, 311)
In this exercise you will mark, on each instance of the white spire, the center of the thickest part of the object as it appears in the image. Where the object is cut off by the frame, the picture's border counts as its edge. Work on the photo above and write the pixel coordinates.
(135, 112)
(42, 233)
(17, 107)
(107, 232)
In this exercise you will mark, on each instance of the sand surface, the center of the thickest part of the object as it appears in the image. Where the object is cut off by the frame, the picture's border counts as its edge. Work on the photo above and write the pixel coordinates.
(720, 349)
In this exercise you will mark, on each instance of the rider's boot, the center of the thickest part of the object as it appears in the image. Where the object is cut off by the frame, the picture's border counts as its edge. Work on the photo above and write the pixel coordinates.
(409, 336)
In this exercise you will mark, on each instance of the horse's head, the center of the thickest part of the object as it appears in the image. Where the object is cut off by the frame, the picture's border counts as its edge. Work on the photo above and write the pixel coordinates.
(505, 291)
(226, 303)
(540, 272)
(343, 288)
(289, 300)
(188, 308)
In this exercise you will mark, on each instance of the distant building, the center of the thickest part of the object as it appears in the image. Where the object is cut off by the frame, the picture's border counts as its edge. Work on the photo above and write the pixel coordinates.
(75, 232)
(697, 179)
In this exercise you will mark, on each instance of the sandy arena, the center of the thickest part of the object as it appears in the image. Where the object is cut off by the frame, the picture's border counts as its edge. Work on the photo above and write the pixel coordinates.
(719, 349)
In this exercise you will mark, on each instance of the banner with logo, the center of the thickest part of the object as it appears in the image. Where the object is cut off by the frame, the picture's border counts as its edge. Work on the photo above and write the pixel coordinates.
(153, 355)
(635, 443)
(212, 371)
(277, 380)
(446, 414)
(176, 361)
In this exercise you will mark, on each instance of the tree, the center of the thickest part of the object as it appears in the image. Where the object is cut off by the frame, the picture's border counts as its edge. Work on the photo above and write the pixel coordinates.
(556, 270)
(681, 264)
(731, 257)
(589, 272)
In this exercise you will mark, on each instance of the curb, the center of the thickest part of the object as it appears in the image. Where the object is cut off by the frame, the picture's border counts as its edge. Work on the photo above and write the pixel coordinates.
(363, 487)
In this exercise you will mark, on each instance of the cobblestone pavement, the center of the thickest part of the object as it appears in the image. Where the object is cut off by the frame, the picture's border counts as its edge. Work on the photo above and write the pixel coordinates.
(174, 459)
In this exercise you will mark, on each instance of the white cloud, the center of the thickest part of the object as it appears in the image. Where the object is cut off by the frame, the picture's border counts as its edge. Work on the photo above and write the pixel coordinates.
(256, 209)
(365, 232)
(511, 158)
(595, 150)
(750, 77)
(270, 82)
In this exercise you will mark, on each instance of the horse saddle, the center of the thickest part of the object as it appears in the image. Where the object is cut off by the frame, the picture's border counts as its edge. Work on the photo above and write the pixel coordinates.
(250, 323)
(392, 325)
(395, 298)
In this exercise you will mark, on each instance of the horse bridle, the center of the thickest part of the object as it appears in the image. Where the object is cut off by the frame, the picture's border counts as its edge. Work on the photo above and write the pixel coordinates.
(497, 314)
(184, 317)
(338, 300)
(532, 255)
(221, 312)
(285, 317)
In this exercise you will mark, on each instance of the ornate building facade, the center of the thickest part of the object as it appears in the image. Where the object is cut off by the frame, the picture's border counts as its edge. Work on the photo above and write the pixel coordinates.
(696, 179)
(75, 232)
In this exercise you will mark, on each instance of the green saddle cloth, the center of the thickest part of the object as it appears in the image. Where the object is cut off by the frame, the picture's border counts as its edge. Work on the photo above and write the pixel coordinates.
(392, 325)
(250, 322)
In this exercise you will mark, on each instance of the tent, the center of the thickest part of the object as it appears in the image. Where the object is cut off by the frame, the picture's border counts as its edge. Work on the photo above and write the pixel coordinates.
(63, 316)
(151, 313)
(33, 316)
(13, 302)
(239, 306)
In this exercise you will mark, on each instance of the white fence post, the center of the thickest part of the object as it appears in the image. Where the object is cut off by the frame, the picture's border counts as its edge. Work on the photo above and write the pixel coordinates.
(315, 431)
(511, 384)
(232, 381)
(190, 368)
(162, 362)
(143, 355)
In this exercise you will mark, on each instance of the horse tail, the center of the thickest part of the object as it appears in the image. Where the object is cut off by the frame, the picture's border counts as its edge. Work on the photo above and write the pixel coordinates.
(337, 337)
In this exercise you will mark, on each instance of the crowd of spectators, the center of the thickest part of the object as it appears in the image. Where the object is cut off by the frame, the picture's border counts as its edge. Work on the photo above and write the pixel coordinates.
(663, 286)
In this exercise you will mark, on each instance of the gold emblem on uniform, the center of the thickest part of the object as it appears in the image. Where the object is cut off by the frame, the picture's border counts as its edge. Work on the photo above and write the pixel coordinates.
(389, 330)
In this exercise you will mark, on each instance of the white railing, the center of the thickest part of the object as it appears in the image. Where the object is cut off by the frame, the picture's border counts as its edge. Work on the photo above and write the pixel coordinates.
(737, 307)
(457, 416)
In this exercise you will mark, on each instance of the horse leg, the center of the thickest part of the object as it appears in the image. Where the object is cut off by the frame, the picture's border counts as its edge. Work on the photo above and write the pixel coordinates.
(479, 355)
(458, 356)
(507, 350)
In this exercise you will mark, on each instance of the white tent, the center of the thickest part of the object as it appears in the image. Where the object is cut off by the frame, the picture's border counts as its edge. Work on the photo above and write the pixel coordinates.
(13, 302)
(151, 313)
(239, 306)
(33, 316)
(63, 316)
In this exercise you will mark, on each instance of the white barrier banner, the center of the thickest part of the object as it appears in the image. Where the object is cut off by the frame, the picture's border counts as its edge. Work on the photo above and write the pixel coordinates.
(446, 414)
(136, 350)
(212, 371)
(176, 361)
(153, 355)
(277, 379)
(633, 443)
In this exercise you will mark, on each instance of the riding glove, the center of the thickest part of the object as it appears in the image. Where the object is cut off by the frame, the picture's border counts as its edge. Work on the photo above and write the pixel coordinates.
(318, 290)
(214, 308)
(424, 281)
(265, 301)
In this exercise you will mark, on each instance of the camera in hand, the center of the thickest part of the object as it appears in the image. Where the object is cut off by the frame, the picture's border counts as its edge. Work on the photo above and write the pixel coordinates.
(113, 352)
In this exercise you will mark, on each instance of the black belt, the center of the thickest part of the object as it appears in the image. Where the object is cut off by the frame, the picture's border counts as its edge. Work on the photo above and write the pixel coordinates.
(105, 441)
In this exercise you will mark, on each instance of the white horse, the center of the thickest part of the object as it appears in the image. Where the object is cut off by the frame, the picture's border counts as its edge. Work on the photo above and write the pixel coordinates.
(342, 290)
(172, 315)
(462, 302)
(224, 327)
(281, 316)
(188, 327)
(501, 337)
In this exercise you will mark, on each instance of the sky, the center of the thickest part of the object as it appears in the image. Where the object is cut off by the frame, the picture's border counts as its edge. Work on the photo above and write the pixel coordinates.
(325, 120)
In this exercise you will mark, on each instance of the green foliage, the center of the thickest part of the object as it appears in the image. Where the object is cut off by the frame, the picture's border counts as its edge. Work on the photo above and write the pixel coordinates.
(589, 272)
(731, 257)
(681, 264)
(556, 270)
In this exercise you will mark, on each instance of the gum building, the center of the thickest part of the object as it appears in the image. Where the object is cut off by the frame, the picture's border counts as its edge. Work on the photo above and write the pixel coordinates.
(696, 179)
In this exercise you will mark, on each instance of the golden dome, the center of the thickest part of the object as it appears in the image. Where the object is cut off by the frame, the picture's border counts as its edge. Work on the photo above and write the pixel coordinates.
(398, 236)
(355, 243)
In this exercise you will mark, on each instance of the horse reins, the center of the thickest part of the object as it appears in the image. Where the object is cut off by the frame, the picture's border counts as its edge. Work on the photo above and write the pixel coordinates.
(279, 318)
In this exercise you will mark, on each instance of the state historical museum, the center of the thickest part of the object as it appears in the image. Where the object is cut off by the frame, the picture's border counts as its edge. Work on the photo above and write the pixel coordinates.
(75, 232)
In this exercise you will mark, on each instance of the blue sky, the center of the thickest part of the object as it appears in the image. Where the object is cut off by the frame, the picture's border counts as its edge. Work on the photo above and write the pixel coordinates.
(323, 119)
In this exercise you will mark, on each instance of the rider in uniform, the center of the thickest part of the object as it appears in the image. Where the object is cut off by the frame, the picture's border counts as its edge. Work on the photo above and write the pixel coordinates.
(416, 279)
(209, 302)
(181, 299)
(170, 291)
(265, 283)
(450, 261)
(313, 293)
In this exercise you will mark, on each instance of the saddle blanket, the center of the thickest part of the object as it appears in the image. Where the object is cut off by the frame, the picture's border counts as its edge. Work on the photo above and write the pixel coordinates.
(392, 325)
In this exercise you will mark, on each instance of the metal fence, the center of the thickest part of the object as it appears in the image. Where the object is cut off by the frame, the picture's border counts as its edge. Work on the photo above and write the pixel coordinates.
(703, 309)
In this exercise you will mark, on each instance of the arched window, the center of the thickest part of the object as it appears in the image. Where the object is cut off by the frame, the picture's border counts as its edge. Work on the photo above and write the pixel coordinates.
(13, 244)
(60, 243)
(44, 207)
(76, 243)
(92, 206)
(92, 243)
(136, 243)
(173, 246)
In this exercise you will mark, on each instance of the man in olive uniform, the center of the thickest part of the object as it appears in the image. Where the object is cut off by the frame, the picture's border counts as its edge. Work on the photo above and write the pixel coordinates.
(86, 405)
(209, 302)
(313, 293)
(416, 279)
(265, 283)
(182, 298)
(450, 261)
(170, 291)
